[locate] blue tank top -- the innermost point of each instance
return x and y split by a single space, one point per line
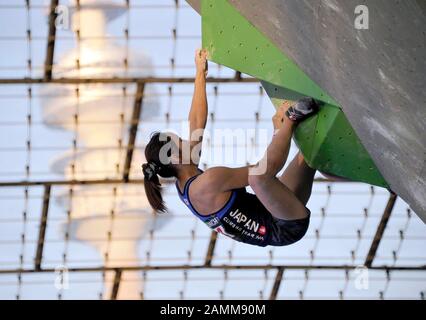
242 218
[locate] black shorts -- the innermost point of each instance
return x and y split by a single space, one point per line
249 221
285 232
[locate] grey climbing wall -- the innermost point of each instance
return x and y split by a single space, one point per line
196 4
377 75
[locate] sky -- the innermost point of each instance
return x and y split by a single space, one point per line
344 215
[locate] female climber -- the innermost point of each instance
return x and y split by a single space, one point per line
275 215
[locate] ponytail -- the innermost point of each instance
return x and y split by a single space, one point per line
153 190
154 168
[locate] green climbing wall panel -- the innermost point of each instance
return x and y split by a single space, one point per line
234 42
329 143
327 140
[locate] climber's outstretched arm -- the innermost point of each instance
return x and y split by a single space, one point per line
198 114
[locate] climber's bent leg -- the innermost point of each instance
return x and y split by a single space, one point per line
277 197
299 177
280 201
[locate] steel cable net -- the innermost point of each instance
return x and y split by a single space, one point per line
79 101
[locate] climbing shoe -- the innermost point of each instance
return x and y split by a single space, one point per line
302 109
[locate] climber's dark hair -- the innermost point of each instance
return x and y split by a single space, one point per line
158 163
